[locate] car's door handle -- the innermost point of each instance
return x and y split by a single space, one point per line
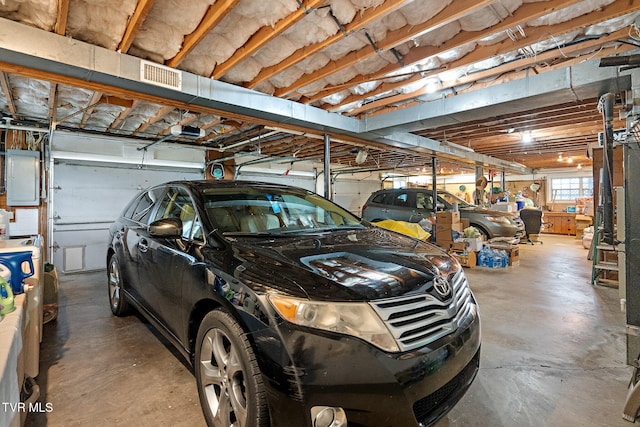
142 245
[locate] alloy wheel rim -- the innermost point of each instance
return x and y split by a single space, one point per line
114 284
223 379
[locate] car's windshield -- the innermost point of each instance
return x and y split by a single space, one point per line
451 199
273 211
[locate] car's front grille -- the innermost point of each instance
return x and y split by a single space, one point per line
417 320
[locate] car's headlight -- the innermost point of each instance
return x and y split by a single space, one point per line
356 319
498 219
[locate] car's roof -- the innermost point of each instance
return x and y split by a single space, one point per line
199 185
411 189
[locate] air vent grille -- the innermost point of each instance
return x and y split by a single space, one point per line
160 75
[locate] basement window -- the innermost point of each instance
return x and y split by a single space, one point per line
568 189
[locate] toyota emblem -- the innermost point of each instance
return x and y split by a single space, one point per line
441 286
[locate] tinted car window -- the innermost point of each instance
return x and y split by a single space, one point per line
380 198
143 209
250 210
401 199
177 203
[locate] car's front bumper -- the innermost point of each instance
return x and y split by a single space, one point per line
308 369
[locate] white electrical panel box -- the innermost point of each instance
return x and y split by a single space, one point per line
23 178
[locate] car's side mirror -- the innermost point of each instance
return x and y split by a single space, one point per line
167 228
440 207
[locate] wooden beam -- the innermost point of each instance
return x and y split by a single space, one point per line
123 115
159 115
6 88
61 18
139 15
263 36
216 12
116 100
559 52
89 108
53 101
419 54
451 13
502 79
357 24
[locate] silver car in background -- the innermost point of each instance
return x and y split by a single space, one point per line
414 204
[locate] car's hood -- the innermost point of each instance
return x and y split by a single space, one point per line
355 265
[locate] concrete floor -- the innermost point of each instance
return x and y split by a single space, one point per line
553 353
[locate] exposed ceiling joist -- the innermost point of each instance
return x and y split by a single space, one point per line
449 14
53 102
137 19
95 98
422 53
263 36
162 112
61 19
216 12
301 54
113 127
6 89
556 54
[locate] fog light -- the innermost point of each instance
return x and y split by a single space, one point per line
327 416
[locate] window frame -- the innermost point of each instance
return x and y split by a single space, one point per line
584 188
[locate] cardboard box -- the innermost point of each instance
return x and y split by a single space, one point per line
447 217
449 226
444 243
465 223
459 246
444 234
467 259
475 244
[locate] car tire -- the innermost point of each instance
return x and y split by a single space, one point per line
117 299
483 233
229 381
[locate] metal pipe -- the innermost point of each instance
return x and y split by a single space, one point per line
248 141
434 194
25 128
327 167
606 108
265 159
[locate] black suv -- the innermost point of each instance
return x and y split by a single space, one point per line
291 310
414 204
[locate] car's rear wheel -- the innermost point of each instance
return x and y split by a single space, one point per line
117 299
483 233
229 381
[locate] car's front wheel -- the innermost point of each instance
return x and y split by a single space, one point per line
229 381
117 299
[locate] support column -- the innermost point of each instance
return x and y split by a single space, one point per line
327 167
632 227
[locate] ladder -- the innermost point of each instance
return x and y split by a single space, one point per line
604 258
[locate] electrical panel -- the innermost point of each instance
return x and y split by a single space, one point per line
23 177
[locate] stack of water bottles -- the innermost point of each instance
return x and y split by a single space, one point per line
493 258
